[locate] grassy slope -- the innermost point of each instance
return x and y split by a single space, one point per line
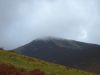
33 63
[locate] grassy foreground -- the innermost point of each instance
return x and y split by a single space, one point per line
29 64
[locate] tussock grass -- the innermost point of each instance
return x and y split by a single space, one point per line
29 64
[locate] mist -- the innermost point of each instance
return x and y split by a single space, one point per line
22 21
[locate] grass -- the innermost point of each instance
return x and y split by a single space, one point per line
29 63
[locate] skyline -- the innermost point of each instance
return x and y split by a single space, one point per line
22 21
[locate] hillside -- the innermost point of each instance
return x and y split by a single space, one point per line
65 52
29 64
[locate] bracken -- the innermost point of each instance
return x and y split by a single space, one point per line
8 69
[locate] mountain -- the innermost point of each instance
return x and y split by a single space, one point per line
15 64
65 52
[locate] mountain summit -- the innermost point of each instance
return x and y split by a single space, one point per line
66 52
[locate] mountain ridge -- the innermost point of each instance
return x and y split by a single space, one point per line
65 52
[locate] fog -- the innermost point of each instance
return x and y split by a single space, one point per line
22 21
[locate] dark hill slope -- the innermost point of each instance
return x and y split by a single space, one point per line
66 52
15 64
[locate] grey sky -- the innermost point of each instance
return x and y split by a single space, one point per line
22 21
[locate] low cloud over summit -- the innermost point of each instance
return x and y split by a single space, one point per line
22 21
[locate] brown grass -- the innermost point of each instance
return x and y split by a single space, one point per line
8 69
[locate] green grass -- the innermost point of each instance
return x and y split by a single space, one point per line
29 63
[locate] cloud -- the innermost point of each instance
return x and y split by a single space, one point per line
22 21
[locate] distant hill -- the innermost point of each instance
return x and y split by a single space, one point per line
66 52
15 64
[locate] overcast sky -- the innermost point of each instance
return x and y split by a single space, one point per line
22 21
